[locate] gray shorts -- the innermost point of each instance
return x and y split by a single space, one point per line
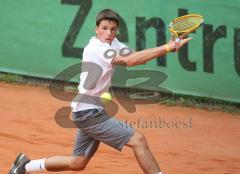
95 126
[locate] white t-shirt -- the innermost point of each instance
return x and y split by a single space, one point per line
96 74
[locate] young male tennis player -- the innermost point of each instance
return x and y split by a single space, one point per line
106 129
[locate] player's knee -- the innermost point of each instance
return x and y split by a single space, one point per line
78 163
77 166
138 140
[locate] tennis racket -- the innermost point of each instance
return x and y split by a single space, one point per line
184 25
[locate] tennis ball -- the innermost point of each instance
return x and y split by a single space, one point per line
106 97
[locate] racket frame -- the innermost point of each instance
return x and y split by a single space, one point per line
176 34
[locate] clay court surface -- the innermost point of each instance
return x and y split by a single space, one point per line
193 141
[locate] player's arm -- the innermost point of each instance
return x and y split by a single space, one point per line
142 57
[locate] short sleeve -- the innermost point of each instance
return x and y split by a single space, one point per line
107 54
100 54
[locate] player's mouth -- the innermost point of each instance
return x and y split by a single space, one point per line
108 40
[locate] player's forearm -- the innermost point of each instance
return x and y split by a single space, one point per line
141 57
146 55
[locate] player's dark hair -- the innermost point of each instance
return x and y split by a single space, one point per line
107 14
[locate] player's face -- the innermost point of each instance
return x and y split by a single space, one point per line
106 30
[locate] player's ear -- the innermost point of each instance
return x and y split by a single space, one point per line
96 29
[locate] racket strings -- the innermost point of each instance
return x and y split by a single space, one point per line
186 24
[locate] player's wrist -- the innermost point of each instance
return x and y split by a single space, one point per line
167 48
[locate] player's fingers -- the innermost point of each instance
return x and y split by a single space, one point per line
184 41
178 45
184 35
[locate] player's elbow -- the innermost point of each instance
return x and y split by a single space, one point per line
134 62
131 63
122 61
125 61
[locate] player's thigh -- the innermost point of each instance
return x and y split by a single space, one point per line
112 132
84 145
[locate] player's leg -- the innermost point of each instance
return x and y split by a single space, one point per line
23 164
118 134
65 163
59 163
143 154
84 149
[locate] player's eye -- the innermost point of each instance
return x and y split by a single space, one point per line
113 29
104 28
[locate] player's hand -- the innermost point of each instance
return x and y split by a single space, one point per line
176 44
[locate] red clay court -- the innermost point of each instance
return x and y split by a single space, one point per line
206 143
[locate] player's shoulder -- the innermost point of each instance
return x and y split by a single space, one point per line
95 48
95 44
116 44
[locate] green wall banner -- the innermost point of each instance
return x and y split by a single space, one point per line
42 38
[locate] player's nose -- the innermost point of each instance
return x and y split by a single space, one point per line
108 32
